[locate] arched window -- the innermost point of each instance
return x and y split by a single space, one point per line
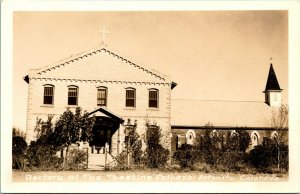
48 94
101 96
153 98
130 97
190 137
72 95
214 134
254 139
233 133
274 136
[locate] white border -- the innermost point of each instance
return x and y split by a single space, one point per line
7 8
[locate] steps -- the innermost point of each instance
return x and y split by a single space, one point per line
97 161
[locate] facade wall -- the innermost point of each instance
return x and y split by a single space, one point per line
87 100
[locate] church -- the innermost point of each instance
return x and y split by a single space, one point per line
115 89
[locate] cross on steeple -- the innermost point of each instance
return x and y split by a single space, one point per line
271 59
103 32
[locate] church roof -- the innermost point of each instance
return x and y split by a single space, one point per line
272 83
222 114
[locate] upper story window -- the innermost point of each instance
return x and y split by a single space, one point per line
101 96
48 94
130 97
72 95
153 98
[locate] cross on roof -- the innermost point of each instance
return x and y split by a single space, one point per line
103 32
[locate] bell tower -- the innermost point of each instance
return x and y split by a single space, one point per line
272 90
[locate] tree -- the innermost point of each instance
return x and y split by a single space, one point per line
133 142
244 140
279 123
19 147
156 154
71 127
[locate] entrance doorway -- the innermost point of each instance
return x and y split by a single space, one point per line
103 130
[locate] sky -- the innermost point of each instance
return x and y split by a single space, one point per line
211 55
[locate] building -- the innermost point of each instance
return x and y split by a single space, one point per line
107 85
115 89
191 118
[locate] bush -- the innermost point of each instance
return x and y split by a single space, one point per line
265 157
42 157
133 143
19 147
186 156
76 159
156 155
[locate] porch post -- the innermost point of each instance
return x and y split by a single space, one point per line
118 141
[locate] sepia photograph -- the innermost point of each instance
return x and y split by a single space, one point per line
150 96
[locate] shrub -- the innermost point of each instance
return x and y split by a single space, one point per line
42 157
69 128
75 160
186 156
265 156
19 147
133 142
156 154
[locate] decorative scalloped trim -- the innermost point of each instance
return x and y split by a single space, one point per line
95 52
100 81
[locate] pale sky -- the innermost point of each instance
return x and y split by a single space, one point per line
211 55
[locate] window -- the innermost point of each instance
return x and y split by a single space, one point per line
72 95
190 137
153 98
48 94
254 139
101 96
130 97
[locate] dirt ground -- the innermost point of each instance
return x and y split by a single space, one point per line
142 175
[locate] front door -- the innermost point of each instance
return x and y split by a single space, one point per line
103 130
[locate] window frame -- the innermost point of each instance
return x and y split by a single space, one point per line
103 88
134 98
157 98
77 92
48 86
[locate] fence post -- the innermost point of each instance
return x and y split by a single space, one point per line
87 157
105 151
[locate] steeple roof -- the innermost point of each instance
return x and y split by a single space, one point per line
272 83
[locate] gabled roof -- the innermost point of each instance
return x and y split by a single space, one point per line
221 113
89 57
272 83
108 113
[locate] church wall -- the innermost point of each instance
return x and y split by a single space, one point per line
222 132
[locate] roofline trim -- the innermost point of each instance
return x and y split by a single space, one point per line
95 51
100 81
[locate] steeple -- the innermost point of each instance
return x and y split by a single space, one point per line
272 83
272 90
